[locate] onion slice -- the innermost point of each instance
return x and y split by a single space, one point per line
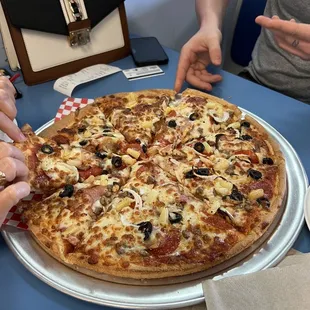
137 197
125 222
209 177
222 119
175 162
227 213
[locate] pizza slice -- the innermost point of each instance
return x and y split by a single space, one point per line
235 174
151 224
47 170
136 115
189 117
61 221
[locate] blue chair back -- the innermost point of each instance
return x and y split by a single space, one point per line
246 31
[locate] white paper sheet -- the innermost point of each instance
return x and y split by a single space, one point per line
66 84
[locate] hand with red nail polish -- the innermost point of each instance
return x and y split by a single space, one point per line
8 110
14 173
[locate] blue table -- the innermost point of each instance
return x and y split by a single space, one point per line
19 289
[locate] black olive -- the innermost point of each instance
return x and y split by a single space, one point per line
117 161
175 217
245 124
267 161
101 155
105 172
67 192
172 123
144 148
83 142
193 116
47 149
138 140
246 137
217 139
254 174
202 171
199 147
146 228
189 174
264 202
82 128
107 129
236 195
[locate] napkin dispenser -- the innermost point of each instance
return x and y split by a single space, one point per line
53 38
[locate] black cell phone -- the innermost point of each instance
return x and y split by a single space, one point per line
147 52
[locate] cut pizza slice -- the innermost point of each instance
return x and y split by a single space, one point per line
239 187
190 116
151 224
61 221
136 115
47 170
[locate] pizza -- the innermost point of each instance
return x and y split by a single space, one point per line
153 184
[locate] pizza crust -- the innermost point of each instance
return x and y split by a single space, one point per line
163 271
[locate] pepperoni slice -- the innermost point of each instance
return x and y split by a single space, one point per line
60 139
265 185
145 167
85 174
95 192
168 245
33 159
253 157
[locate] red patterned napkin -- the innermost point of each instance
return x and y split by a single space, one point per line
69 105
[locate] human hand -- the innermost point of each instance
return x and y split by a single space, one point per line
201 50
14 171
8 110
290 36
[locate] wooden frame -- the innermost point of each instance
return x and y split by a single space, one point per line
32 78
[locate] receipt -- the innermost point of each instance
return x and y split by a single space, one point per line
66 84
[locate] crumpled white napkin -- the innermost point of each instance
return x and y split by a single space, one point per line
284 287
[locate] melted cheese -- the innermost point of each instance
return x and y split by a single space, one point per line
58 170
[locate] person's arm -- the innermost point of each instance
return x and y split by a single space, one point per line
210 12
203 48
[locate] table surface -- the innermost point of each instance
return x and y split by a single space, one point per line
19 289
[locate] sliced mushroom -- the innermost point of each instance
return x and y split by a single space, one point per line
226 213
217 118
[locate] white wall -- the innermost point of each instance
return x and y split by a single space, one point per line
173 22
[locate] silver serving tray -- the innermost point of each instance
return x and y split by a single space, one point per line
168 294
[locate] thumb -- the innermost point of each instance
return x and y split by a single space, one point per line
215 51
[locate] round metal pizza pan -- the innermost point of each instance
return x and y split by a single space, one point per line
168 294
